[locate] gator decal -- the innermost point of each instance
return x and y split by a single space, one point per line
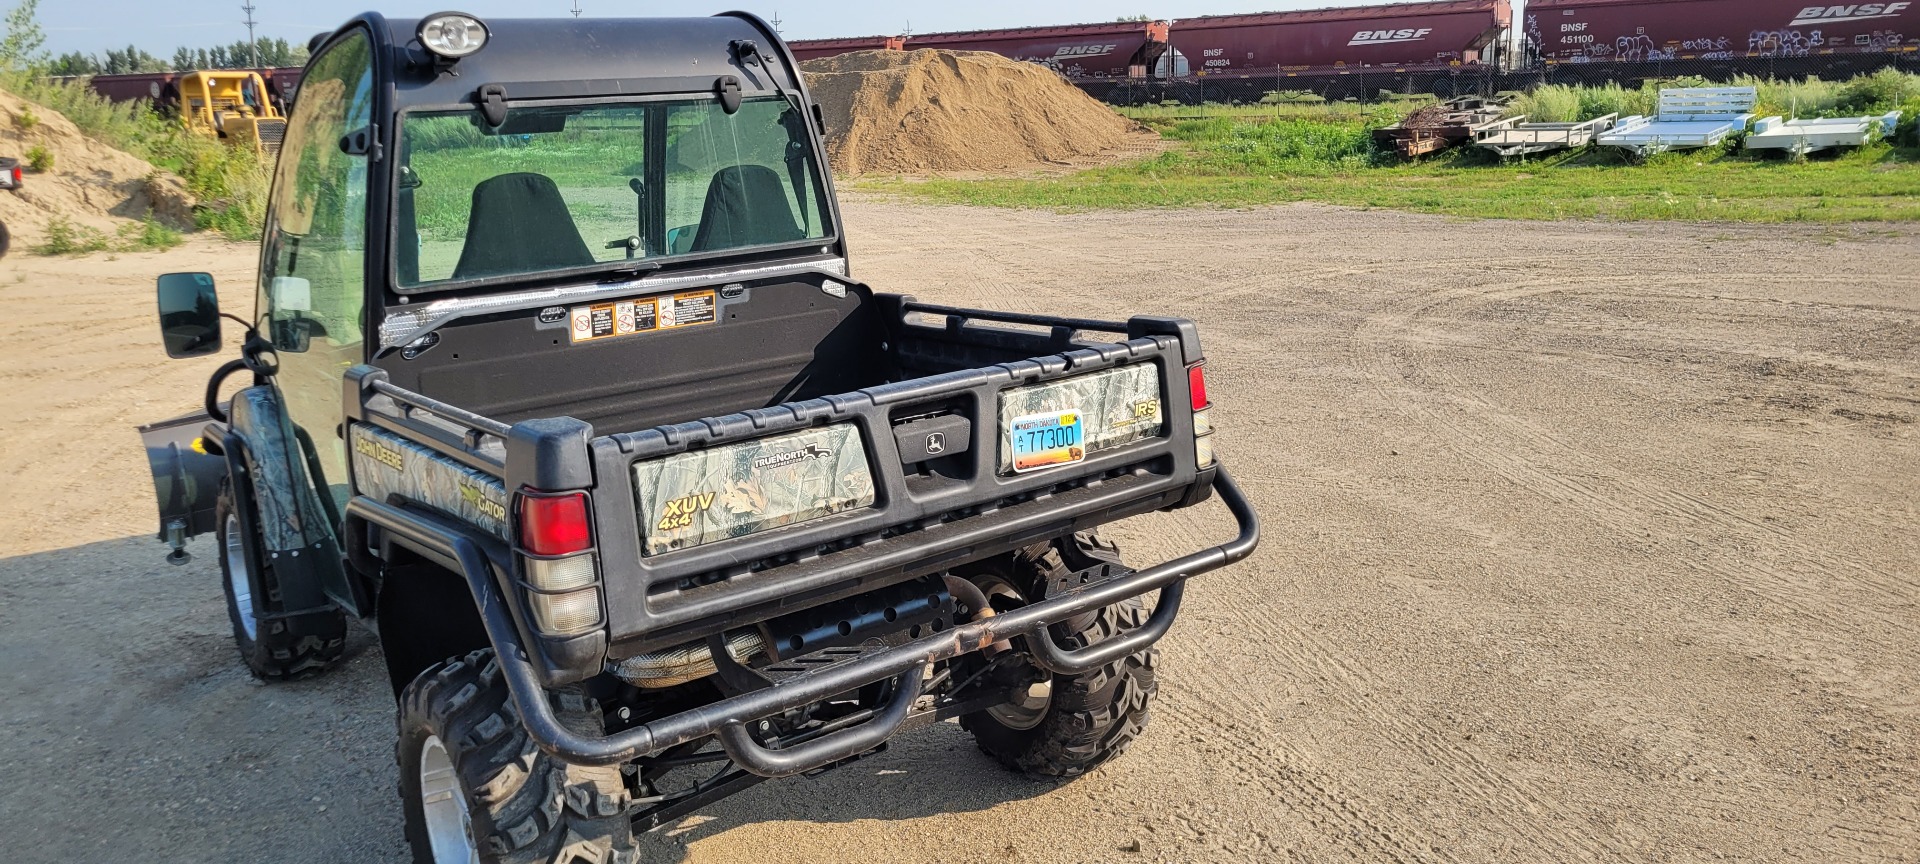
691 499
1117 407
385 464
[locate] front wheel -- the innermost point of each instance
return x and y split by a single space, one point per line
476 789
274 648
1066 725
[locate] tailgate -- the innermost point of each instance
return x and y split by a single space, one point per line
736 518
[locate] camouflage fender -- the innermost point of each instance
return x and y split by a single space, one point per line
291 519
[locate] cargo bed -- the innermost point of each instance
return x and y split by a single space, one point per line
857 416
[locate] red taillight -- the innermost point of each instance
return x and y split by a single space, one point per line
555 524
16 175
1197 386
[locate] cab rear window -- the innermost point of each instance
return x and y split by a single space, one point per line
567 187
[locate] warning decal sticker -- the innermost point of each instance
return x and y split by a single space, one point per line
628 317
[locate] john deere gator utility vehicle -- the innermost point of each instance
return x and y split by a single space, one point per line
561 381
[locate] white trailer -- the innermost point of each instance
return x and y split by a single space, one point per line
1514 137
1800 137
1689 118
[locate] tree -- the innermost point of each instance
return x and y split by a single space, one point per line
74 63
130 60
22 47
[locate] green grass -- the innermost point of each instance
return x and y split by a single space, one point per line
1877 184
1273 154
1167 117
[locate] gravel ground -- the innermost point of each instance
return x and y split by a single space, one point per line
1585 542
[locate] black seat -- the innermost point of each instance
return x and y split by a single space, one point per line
746 206
520 224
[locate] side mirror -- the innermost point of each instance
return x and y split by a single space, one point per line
189 315
294 335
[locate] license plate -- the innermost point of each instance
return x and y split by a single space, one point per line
1046 440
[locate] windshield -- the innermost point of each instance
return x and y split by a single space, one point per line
565 187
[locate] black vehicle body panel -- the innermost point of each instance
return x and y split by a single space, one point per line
186 479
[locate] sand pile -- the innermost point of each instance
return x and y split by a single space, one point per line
91 184
918 112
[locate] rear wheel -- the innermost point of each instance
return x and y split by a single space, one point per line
476 789
6 240
1065 725
274 648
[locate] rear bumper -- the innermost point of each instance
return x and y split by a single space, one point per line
905 664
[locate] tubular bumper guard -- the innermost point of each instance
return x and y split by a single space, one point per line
905 665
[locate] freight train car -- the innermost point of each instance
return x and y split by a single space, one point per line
1641 39
814 49
1335 51
1094 52
138 87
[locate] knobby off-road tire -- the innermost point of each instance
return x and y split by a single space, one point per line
6 240
1090 717
274 649
522 805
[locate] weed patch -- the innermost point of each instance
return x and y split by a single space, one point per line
66 238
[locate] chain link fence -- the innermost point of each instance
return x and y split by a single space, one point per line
1369 84
1832 67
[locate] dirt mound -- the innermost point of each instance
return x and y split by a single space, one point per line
916 112
90 184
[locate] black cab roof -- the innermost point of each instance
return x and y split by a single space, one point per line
549 58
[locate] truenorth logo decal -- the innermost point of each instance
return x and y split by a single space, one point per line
1388 37
1854 12
782 460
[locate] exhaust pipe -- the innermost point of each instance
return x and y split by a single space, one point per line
684 663
976 600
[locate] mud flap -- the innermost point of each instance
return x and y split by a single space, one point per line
297 527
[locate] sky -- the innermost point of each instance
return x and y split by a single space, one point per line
159 26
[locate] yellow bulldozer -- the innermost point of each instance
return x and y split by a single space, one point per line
233 106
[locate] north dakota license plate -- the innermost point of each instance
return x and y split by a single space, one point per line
1046 440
